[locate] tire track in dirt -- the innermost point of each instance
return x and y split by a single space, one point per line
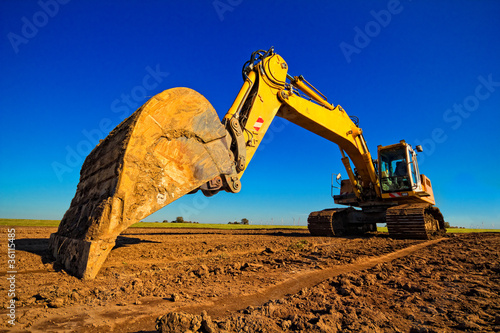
297 282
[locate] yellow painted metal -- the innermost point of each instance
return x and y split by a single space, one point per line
300 84
242 95
336 126
352 178
408 197
371 171
271 98
270 77
427 187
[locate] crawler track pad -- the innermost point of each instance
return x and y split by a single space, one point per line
170 146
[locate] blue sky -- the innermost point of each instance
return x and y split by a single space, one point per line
424 71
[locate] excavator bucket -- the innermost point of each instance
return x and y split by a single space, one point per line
169 147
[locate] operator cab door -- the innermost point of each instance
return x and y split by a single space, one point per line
414 172
398 169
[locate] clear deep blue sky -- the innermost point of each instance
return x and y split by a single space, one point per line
424 71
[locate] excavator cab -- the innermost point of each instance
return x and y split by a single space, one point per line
398 169
394 169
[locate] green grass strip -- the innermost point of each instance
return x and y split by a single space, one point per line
212 226
55 223
466 231
29 223
453 230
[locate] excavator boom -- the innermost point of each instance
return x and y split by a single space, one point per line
175 144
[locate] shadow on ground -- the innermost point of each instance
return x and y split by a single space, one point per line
40 246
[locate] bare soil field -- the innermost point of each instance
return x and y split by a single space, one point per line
206 280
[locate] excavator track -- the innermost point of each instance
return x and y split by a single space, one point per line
420 221
320 223
337 222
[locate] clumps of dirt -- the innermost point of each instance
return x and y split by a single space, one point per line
451 286
330 307
180 322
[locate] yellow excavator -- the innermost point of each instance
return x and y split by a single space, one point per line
175 144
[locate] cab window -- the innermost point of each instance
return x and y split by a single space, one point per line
394 175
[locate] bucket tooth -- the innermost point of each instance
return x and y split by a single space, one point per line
169 147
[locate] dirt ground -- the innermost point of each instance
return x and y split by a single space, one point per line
259 281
